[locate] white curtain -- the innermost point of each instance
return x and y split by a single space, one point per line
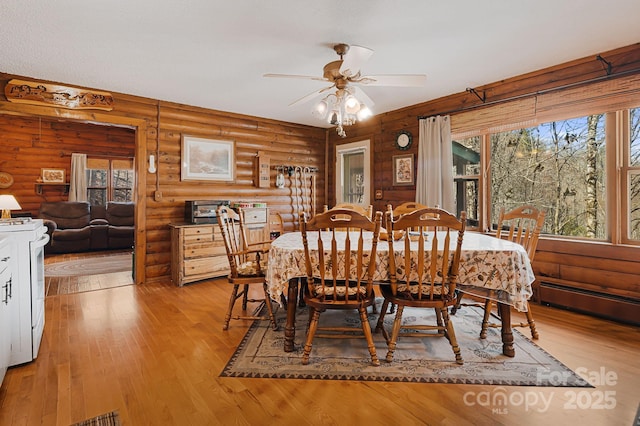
78 180
434 184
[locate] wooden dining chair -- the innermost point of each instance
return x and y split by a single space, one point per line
339 279
365 210
276 225
247 264
401 209
423 274
521 225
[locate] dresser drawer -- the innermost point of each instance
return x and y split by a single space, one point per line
198 238
205 265
204 250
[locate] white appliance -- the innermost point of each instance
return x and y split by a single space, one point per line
27 312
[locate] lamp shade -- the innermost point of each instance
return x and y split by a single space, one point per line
8 203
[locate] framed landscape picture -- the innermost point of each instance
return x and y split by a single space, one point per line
207 159
53 176
403 170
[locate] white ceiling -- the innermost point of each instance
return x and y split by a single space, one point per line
213 54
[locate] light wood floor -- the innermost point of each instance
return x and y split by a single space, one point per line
154 352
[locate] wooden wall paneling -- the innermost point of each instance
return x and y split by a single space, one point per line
618 280
278 141
159 126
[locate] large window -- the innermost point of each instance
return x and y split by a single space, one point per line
583 171
557 166
631 169
109 180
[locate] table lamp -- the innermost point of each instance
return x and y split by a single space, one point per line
8 203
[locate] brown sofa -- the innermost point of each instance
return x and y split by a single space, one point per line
76 226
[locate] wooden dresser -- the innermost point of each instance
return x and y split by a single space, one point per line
197 253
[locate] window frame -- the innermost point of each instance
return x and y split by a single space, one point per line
618 173
110 188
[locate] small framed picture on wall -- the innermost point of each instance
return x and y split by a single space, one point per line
403 170
207 159
53 176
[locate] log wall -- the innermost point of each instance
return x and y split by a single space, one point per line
32 143
158 126
609 274
44 136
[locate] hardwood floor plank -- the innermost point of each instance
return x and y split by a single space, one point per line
154 352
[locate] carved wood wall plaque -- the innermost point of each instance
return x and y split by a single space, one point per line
36 93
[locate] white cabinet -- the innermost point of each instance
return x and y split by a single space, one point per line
5 305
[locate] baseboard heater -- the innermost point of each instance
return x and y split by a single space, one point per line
607 306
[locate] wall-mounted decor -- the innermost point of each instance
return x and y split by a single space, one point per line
53 176
37 93
263 170
403 169
207 159
6 180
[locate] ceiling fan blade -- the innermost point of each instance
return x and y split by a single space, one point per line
307 98
398 80
360 94
353 60
306 77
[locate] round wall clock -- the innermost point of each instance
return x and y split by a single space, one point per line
403 140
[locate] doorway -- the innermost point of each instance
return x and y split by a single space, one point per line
353 173
139 128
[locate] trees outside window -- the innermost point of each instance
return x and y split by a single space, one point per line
632 166
561 167
109 180
557 166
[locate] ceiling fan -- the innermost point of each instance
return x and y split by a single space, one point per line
349 102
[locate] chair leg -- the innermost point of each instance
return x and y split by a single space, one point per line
366 329
267 302
391 344
485 320
383 311
455 307
532 323
439 319
232 301
451 336
313 326
245 297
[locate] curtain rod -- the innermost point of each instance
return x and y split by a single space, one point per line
539 92
102 156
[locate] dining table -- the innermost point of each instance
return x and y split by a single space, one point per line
489 268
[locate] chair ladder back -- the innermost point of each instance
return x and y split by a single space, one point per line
353 224
227 222
442 268
524 225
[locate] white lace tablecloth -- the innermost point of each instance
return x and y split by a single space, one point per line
489 267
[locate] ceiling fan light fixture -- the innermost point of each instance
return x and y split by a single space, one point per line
351 104
342 108
364 112
321 109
